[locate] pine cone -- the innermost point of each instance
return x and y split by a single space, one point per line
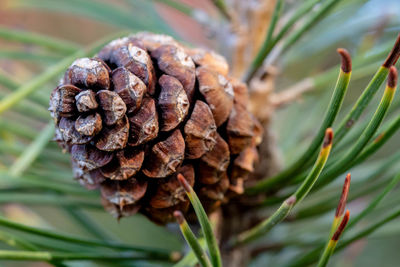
147 108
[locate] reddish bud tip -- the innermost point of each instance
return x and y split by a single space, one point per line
392 78
291 200
394 54
343 197
378 138
184 183
346 60
179 216
328 138
341 227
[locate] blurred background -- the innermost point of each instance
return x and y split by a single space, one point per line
366 28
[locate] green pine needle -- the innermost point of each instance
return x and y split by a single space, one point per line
29 155
41 40
156 253
192 240
204 223
330 115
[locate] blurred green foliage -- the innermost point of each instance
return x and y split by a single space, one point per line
39 39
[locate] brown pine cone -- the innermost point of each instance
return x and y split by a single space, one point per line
147 108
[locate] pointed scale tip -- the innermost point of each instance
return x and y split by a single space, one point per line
328 138
346 60
341 227
392 78
122 203
394 54
343 198
179 216
184 183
